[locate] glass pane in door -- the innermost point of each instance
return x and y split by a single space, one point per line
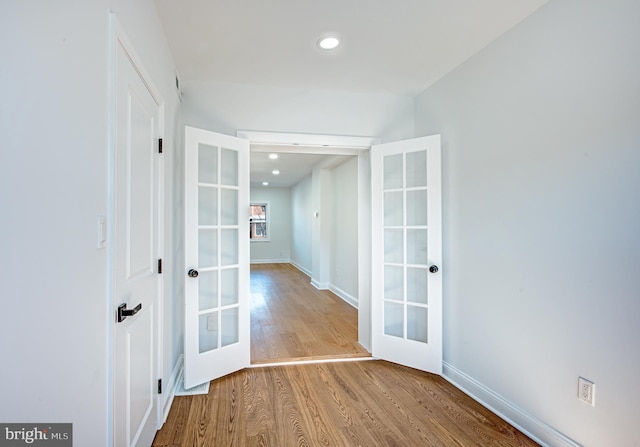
416 169
207 248
229 249
417 207
392 172
230 329
207 205
393 246
229 171
208 331
207 164
394 319
417 246
229 286
208 290
229 206
393 209
417 323
417 289
393 283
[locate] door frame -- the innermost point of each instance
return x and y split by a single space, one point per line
117 36
337 145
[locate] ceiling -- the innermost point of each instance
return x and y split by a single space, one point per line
397 47
293 167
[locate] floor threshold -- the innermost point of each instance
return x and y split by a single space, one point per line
288 362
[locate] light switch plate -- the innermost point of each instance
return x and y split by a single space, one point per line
101 241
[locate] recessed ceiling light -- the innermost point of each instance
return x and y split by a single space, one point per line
265 183
273 156
275 172
329 43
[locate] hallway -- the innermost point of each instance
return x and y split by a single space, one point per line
291 320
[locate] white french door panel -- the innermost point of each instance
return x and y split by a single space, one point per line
406 221
217 335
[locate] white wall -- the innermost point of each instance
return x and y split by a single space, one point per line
301 225
326 247
344 234
321 227
53 280
277 248
541 146
227 108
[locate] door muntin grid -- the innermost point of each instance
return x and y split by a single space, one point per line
405 233
218 248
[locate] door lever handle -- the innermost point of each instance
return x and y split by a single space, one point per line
123 312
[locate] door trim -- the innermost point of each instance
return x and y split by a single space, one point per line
326 144
117 36
336 145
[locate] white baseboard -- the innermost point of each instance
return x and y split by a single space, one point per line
349 299
531 426
301 268
319 285
171 386
270 261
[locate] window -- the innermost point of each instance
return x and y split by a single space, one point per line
258 222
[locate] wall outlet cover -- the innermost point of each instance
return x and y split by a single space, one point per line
586 391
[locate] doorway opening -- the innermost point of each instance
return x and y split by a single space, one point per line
310 291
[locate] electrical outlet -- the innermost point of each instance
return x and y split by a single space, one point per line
586 391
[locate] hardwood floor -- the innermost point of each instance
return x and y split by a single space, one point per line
364 403
357 403
292 320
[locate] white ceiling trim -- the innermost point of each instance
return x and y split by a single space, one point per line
312 143
307 150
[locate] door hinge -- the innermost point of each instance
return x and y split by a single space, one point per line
159 266
159 386
160 145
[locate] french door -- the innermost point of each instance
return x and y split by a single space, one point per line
407 253
216 255
406 299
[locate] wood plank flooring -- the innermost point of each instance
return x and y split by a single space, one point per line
292 320
365 403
